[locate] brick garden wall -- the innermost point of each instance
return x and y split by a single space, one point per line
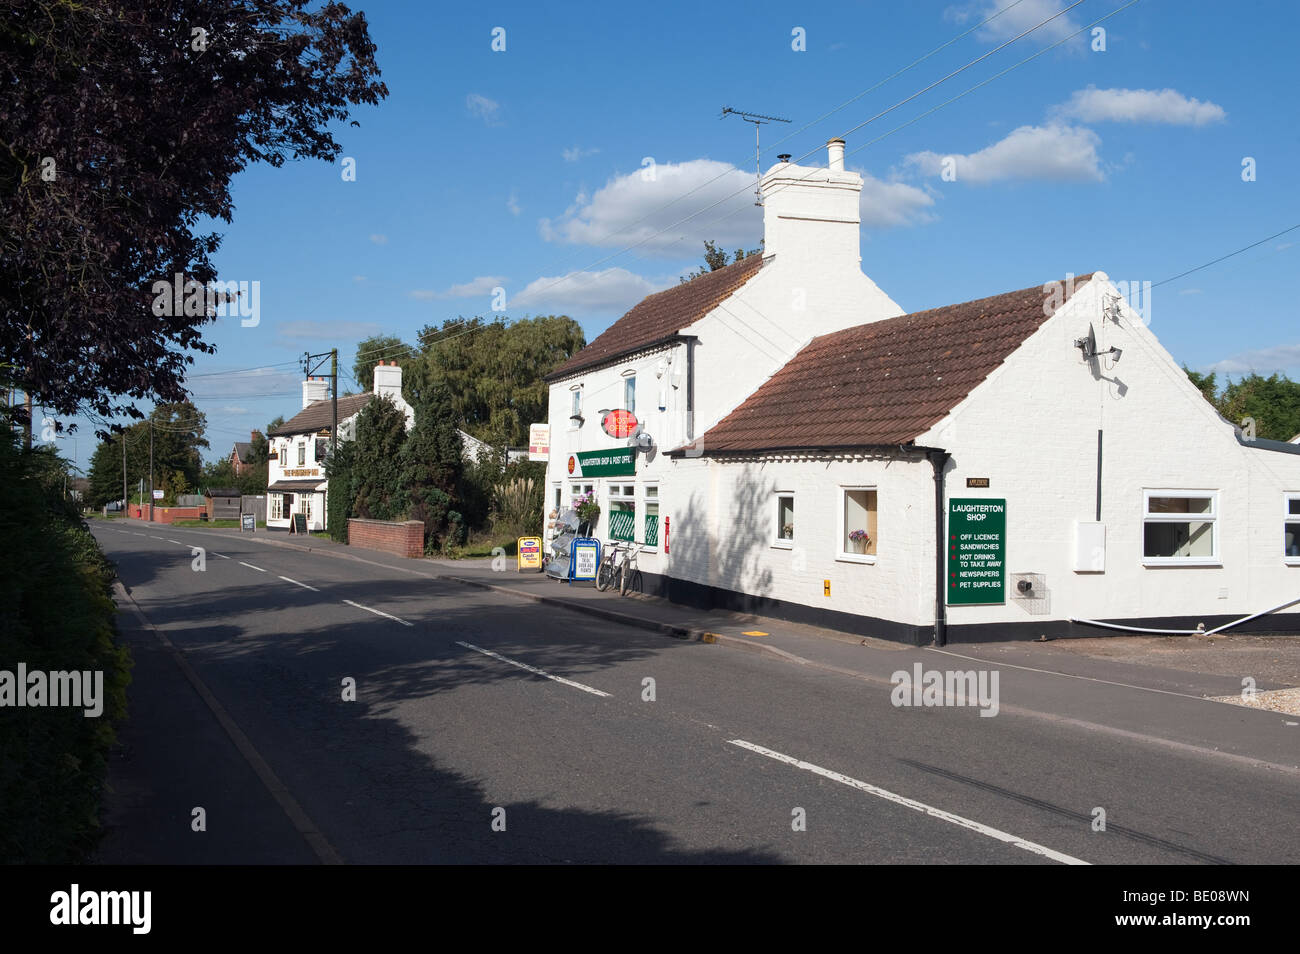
164 514
404 539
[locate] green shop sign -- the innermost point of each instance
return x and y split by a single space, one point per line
620 462
977 546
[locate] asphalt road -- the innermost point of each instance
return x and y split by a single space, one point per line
449 733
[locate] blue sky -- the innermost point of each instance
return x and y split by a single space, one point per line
522 169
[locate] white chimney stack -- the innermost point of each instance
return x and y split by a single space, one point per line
313 390
388 380
835 149
811 213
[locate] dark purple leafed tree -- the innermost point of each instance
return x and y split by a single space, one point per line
122 123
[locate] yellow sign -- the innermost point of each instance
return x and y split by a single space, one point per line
530 553
826 587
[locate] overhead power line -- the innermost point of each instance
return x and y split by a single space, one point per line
1224 258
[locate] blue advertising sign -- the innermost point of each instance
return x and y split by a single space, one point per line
584 558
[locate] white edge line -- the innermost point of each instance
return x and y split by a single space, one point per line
925 809
251 567
369 609
534 669
303 585
1070 675
222 555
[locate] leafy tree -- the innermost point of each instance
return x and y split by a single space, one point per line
431 466
340 503
494 371
1273 403
716 258
178 433
1205 383
381 432
373 350
124 122
59 615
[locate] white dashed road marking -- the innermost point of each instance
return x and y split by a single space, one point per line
533 669
251 567
378 612
303 585
913 804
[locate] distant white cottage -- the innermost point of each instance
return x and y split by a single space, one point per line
298 447
1030 463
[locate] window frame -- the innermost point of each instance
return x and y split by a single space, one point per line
1287 518
629 394
649 501
1212 517
575 407
616 493
779 542
302 453
847 556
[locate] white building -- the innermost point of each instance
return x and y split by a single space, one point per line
297 448
1030 463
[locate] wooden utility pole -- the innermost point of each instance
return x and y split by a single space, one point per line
124 497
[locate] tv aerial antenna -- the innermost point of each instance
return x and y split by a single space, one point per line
758 119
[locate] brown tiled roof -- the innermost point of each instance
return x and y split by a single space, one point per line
319 414
886 382
662 314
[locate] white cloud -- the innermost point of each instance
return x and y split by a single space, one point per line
483 108
576 153
1284 358
1191 291
1140 106
630 209
1017 20
482 285
378 238
332 328
232 409
512 203
1053 152
358 278
609 291
887 204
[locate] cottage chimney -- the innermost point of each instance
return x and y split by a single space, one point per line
812 213
388 380
835 153
313 390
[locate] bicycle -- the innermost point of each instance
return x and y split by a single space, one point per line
618 563
610 564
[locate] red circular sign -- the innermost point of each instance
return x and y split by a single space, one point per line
619 423
573 463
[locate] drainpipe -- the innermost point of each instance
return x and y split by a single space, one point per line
690 390
939 460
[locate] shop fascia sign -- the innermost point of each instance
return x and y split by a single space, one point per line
617 462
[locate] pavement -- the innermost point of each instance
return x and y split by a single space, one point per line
470 700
